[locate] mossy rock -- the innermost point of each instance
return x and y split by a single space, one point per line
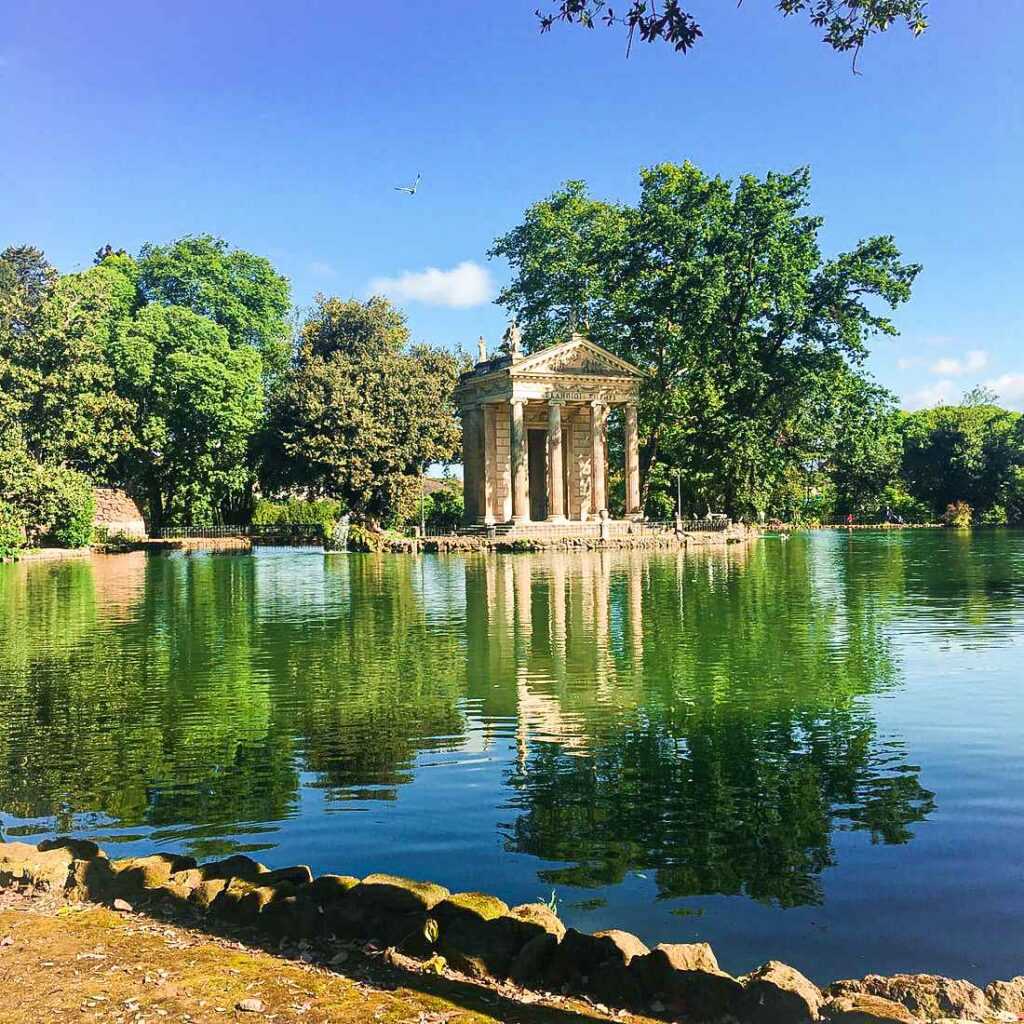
539 914
133 874
241 901
80 849
292 917
401 895
328 889
481 904
298 875
235 866
204 894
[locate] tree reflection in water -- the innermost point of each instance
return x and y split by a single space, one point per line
705 718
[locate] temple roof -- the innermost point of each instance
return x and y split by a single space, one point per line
577 357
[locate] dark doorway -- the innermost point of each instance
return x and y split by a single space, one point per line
537 447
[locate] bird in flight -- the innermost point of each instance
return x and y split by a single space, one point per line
411 189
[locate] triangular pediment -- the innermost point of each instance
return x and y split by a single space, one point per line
578 356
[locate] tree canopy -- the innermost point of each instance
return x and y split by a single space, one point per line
720 291
362 412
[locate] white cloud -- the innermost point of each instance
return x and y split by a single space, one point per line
909 362
942 392
467 284
1010 389
973 361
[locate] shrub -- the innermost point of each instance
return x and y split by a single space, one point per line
994 516
958 515
64 506
442 510
324 512
12 531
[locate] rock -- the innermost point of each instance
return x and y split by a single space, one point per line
477 903
706 995
122 906
531 962
92 880
292 917
779 994
298 875
1007 996
656 971
401 895
250 1006
235 866
241 902
80 849
327 889
133 874
204 894
24 864
925 995
862 1008
539 914
580 957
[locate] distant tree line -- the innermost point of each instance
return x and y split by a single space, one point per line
180 375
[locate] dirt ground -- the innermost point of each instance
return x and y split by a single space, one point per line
74 963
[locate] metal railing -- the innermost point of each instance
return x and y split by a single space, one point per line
274 531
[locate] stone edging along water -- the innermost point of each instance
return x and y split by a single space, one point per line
481 936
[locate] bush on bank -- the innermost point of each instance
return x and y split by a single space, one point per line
324 512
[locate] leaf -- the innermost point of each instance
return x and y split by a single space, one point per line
431 931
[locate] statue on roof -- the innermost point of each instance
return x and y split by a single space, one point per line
512 341
482 350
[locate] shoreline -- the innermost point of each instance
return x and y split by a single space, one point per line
524 953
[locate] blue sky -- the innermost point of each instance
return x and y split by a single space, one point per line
284 127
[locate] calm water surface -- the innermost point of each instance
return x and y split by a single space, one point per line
809 750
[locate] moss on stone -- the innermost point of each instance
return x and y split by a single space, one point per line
400 894
479 903
328 889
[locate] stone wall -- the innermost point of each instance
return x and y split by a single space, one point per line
117 513
481 936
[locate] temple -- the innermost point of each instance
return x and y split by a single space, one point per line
535 433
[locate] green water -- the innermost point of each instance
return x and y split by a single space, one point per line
808 750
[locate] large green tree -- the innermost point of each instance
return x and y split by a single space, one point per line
969 452
362 411
236 289
198 402
720 291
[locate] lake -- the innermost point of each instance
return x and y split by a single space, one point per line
809 750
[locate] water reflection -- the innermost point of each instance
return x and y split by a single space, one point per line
703 718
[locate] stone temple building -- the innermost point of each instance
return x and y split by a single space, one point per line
535 433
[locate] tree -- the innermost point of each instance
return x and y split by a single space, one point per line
848 24
719 290
199 403
241 292
361 412
71 412
957 453
865 447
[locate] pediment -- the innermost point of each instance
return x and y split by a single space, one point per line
577 357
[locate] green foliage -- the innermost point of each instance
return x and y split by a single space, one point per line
958 514
956 451
847 24
361 412
297 512
64 506
12 531
442 510
241 292
719 290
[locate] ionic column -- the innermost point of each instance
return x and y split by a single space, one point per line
632 463
472 464
490 464
520 464
598 455
556 482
